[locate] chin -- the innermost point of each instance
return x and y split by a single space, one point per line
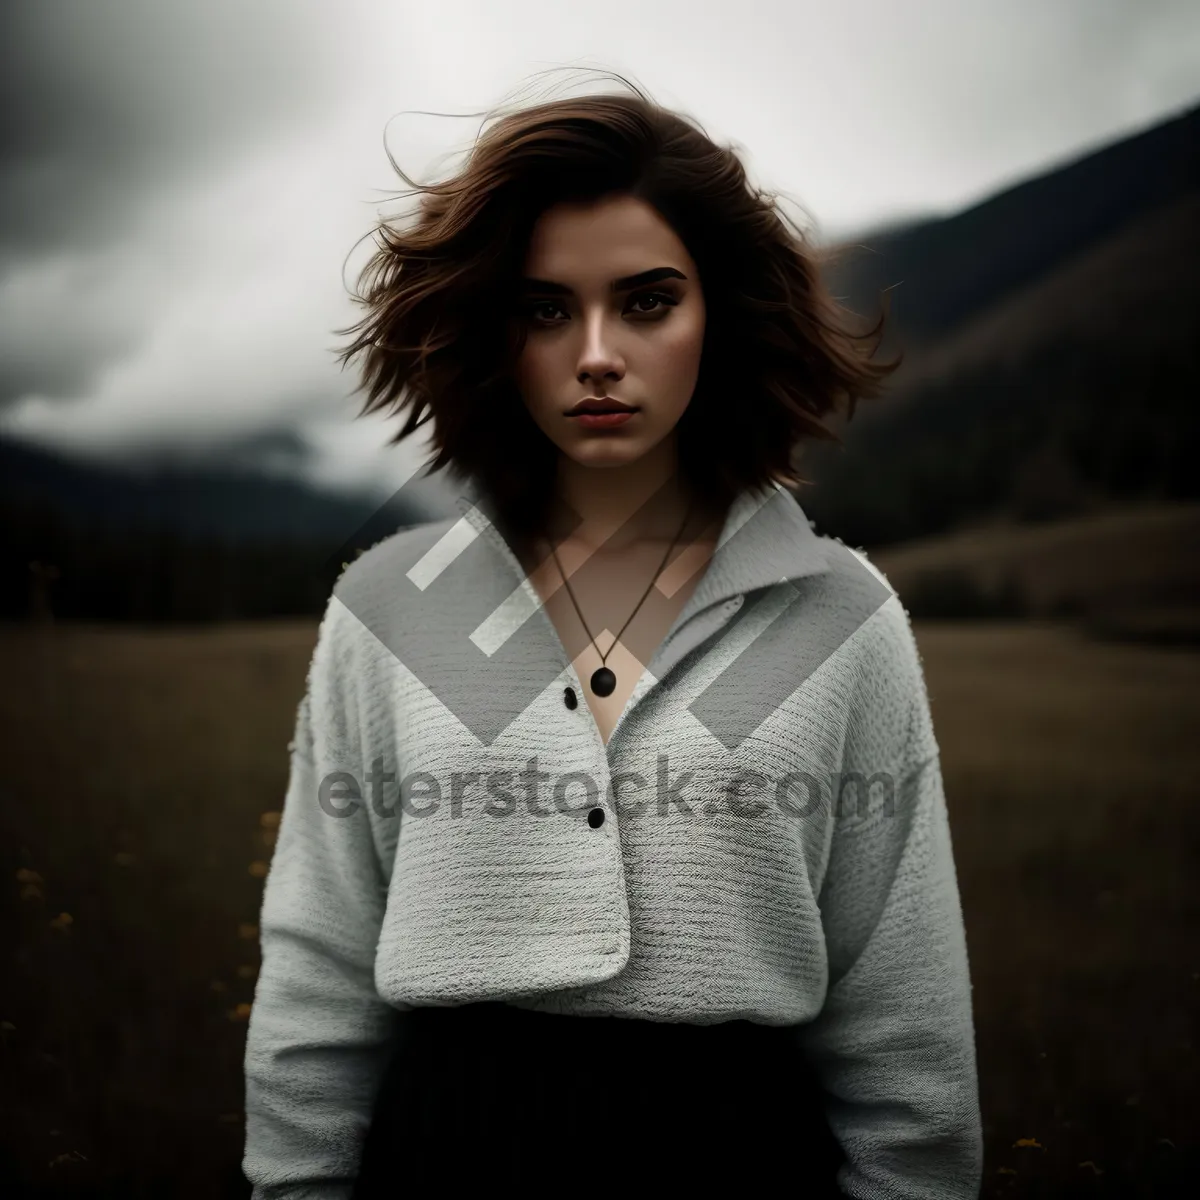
605 452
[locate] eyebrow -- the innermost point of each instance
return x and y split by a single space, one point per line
625 284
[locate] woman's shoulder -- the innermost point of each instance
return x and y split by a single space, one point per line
868 613
375 589
403 565
400 550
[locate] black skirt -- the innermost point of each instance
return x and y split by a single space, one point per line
492 1095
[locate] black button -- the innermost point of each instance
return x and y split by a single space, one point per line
569 698
596 818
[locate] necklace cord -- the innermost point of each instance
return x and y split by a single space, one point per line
653 581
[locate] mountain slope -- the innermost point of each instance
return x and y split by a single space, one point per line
1074 389
944 272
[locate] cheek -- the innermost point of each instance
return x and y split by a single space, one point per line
679 352
534 371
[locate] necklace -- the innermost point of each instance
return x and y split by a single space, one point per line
604 681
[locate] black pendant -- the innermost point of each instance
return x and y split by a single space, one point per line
604 682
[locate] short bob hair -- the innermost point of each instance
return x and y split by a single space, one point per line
442 333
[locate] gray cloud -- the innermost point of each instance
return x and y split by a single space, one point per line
103 102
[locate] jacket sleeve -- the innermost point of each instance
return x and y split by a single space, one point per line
319 1035
894 1044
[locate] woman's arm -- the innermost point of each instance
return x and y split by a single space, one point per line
895 1043
319 1036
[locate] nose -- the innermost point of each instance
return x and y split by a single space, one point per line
599 358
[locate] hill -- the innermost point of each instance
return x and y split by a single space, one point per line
1075 391
1130 573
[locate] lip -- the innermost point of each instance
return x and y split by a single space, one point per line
600 404
609 420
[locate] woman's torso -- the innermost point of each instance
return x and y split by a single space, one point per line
671 872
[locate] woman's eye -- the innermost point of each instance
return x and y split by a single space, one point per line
541 304
542 310
660 298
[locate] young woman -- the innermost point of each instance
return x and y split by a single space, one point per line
567 894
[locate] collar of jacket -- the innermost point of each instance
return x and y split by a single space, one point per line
767 539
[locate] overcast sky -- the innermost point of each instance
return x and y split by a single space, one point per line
183 180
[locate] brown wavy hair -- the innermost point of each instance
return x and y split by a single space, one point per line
441 334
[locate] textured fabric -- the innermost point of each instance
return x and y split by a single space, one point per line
492 1096
717 861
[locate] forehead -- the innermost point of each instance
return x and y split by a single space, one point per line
606 238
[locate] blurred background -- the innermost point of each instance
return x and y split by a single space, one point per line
183 191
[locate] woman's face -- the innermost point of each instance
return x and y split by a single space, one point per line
640 343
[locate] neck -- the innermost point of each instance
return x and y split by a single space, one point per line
612 509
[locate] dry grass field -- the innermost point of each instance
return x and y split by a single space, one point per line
1138 562
138 767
